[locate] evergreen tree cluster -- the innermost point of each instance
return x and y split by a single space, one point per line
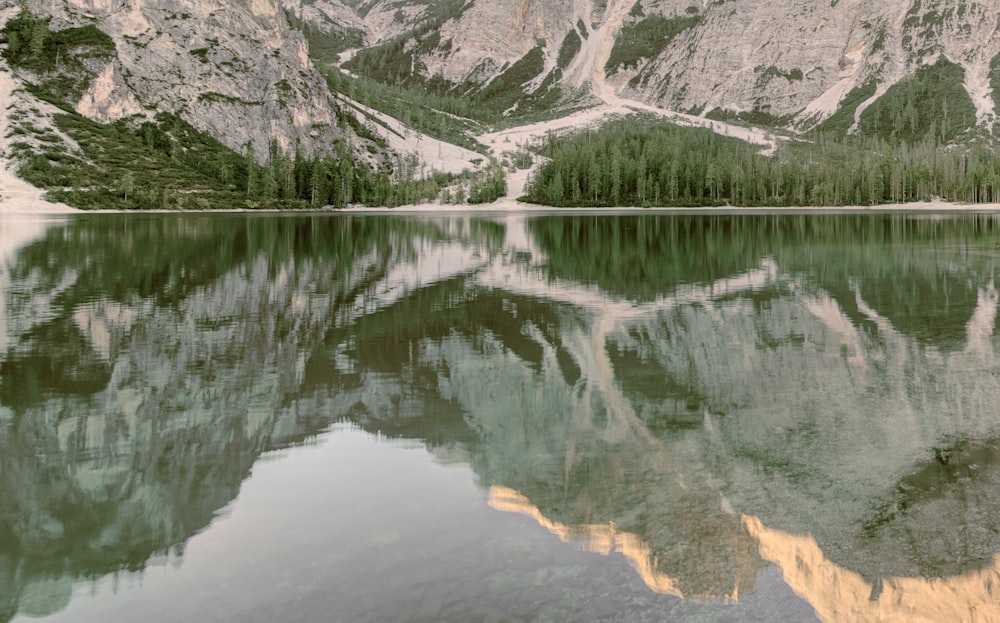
165 163
446 117
484 188
642 163
932 103
297 180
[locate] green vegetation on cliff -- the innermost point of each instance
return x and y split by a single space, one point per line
645 39
165 163
58 58
931 104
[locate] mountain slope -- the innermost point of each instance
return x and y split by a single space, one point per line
765 61
234 70
260 77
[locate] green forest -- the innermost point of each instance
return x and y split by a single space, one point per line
641 162
916 142
165 163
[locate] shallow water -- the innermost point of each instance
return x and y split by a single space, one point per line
500 417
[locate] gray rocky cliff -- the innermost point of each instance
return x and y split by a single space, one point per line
233 69
797 64
804 59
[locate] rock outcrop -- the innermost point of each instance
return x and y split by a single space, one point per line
236 70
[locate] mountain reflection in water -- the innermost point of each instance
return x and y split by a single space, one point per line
839 594
706 395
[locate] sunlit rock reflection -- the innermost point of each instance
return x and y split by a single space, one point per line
602 539
841 595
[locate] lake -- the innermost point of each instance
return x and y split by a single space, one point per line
499 417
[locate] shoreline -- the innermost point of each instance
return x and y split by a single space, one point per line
35 206
517 207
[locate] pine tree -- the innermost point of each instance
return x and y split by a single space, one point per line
615 175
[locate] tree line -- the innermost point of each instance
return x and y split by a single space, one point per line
638 162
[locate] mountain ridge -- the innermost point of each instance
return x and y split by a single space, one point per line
795 66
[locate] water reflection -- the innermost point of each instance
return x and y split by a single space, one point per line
600 539
688 391
839 594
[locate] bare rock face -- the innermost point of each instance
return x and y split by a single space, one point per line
795 62
802 59
490 36
746 56
233 69
239 71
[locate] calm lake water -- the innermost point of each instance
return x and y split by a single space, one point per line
499 418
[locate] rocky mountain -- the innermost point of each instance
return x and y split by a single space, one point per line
420 78
235 70
762 61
